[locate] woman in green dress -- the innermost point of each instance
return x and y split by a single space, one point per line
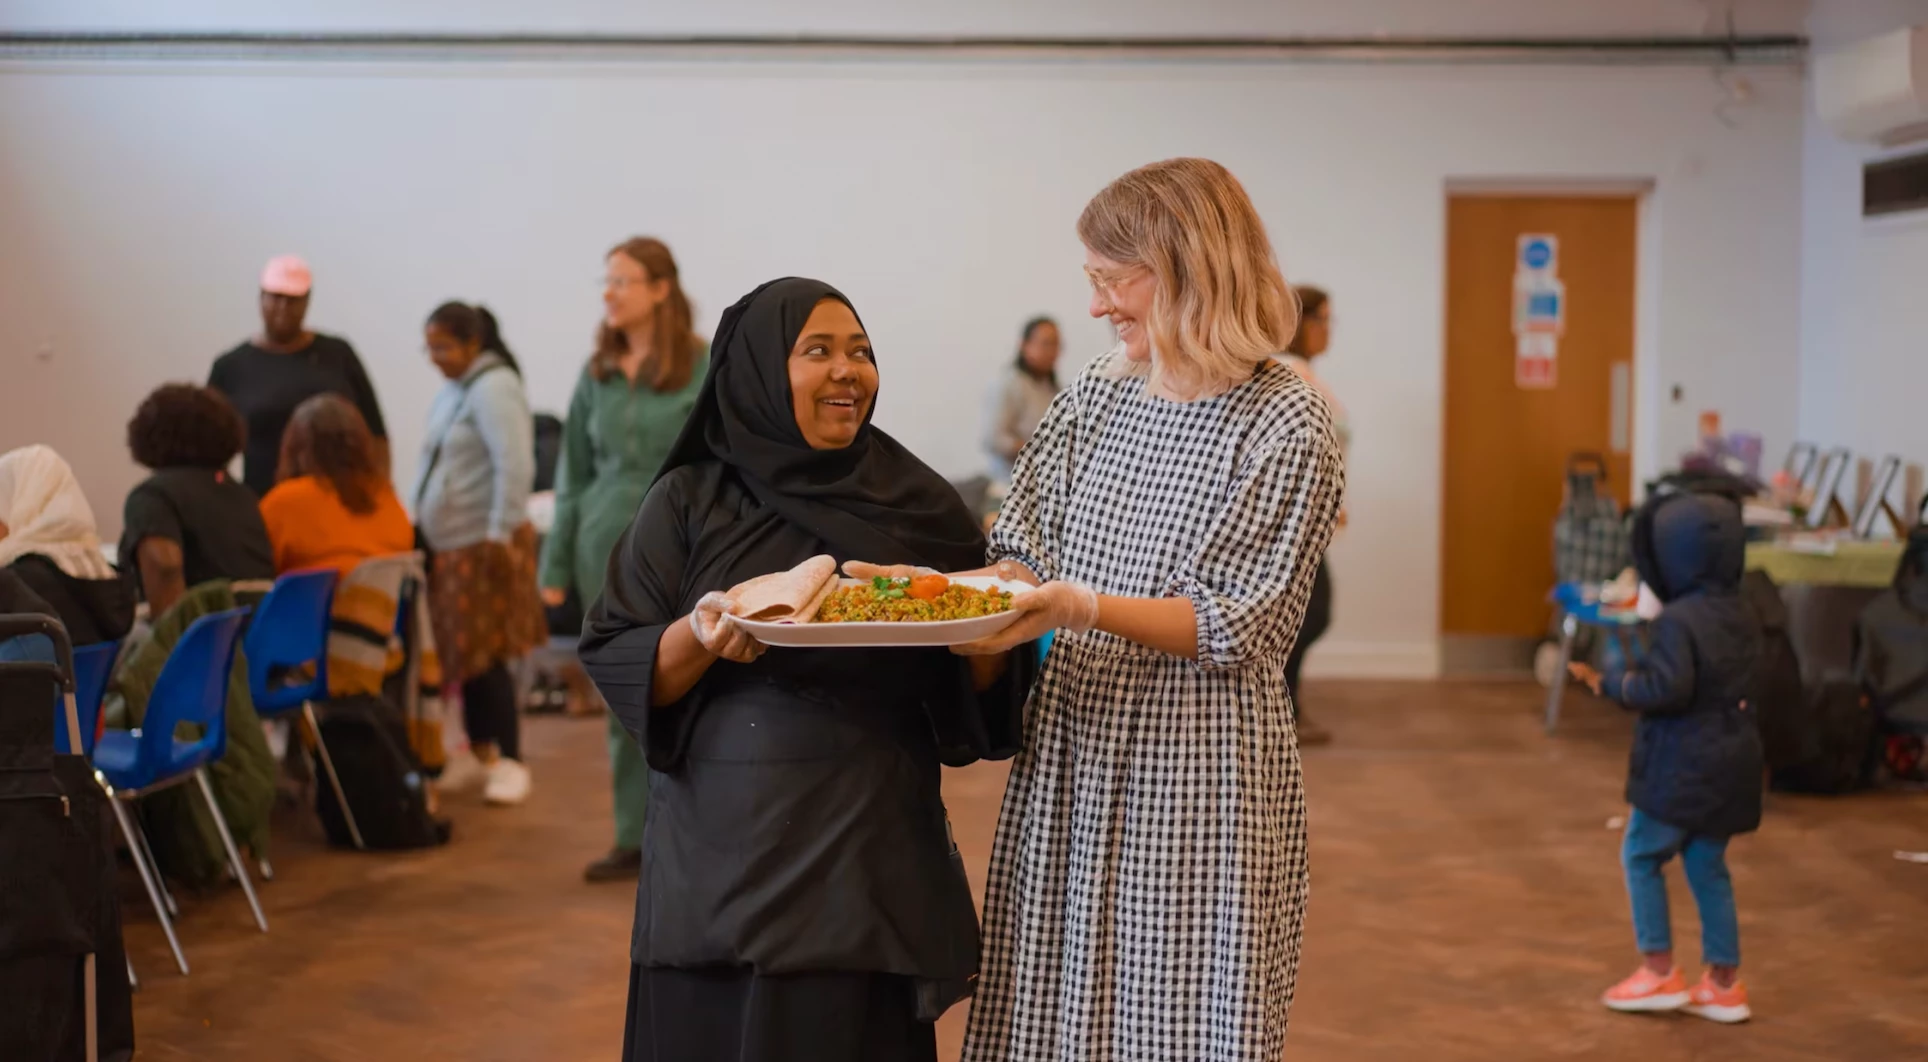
629 405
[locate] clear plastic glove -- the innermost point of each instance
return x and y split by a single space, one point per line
861 570
1009 571
1051 607
717 632
1014 572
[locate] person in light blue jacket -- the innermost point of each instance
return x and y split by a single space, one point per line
471 513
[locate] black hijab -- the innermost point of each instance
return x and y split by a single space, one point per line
872 500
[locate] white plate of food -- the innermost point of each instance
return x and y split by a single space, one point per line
810 607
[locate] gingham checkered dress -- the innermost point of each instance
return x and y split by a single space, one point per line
1149 876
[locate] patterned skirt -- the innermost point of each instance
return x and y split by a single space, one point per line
486 607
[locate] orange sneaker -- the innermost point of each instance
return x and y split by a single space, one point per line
1725 1005
1647 991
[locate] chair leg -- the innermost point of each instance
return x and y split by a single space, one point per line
227 841
147 879
133 980
146 852
90 1009
334 780
1569 629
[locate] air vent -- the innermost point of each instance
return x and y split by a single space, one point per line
1894 186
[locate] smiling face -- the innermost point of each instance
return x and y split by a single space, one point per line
833 380
1123 293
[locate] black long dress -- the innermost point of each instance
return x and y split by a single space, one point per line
799 887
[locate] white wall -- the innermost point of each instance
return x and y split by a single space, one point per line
1864 323
136 205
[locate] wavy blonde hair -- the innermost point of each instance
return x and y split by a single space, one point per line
1221 305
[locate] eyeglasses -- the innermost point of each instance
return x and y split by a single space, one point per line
1104 282
622 283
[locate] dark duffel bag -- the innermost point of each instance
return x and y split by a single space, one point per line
385 786
1842 728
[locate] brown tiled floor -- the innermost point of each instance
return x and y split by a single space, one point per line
1466 906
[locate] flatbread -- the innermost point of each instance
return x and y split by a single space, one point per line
787 597
808 613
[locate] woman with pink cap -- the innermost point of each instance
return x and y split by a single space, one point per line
286 365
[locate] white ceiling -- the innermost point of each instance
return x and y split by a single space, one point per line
1330 18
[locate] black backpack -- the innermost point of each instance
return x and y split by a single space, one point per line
1780 703
1891 643
385 786
1843 750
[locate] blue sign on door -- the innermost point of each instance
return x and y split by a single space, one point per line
1536 252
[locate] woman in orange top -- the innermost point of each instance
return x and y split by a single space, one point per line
333 506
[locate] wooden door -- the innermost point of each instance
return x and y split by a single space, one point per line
1509 429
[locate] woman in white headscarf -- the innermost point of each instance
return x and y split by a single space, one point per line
49 539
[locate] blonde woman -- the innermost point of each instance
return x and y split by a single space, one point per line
1148 881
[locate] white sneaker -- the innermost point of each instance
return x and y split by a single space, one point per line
462 773
508 782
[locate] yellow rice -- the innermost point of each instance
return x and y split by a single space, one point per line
860 604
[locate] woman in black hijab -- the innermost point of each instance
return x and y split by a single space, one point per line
800 898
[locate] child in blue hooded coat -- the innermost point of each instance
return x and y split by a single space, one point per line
1695 775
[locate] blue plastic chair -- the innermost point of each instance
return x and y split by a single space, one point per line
287 648
92 666
192 689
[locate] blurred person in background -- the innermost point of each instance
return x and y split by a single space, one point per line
189 522
472 512
334 506
1023 391
284 366
630 403
1308 345
49 540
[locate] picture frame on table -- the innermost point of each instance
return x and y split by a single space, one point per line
1826 508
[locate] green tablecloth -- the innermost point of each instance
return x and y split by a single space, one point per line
1869 565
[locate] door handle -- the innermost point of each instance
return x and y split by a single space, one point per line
1620 427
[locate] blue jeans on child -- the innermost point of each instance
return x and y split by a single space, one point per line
1649 844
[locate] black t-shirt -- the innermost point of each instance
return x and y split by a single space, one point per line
266 387
216 520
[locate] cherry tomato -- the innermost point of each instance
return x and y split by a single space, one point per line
929 587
